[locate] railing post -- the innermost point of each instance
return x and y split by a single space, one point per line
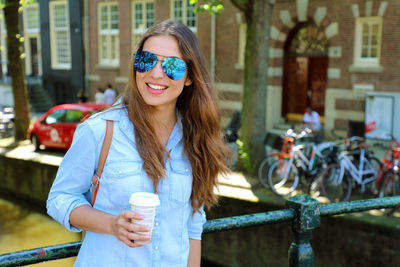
307 218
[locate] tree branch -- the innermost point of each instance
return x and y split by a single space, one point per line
240 6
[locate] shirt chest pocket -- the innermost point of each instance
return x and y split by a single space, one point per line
180 181
121 179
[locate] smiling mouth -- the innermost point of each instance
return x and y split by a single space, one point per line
156 87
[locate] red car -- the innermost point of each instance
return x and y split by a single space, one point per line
55 128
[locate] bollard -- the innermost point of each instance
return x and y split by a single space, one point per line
306 219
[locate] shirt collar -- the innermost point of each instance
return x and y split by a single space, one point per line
176 134
126 126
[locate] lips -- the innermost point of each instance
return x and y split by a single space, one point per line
156 89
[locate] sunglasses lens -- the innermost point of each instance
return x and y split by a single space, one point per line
174 68
144 61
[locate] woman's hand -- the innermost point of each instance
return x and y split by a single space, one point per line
132 234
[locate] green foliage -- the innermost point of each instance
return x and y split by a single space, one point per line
22 4
211 6
244 157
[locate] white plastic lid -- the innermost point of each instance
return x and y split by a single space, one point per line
144 199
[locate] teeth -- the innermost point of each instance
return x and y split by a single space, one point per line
157 87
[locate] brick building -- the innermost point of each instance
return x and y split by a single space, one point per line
326 54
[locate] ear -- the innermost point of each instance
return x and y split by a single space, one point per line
188 81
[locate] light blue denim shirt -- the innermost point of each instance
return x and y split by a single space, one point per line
122 175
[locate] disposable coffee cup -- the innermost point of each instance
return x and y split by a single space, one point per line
145 204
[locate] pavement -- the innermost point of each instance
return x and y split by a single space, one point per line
235 185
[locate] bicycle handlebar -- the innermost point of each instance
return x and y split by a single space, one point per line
292 133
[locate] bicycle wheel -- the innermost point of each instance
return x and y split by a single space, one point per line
283 178
315 178
314 189
333 187
389 187
375 162
376 165
263 169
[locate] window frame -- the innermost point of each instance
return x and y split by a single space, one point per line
107 60
54 56
138 33
28 34
184 14
358 45
25 16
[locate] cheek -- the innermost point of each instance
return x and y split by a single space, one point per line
179 85
139 77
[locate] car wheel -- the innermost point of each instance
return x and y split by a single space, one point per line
35 142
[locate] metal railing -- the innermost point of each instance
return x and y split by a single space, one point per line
302 210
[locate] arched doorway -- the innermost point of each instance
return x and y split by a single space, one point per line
305 71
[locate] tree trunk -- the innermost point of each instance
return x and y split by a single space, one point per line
16 70
258 16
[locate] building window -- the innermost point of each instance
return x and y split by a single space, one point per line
367 48
60 35
31 19
32 40
142 19
182 11
108 34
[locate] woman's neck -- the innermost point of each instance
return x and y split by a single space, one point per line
164 122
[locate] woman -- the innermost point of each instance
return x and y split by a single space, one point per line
167 140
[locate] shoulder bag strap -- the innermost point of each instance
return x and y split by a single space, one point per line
102 160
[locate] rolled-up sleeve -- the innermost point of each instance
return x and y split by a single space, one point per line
73 177
195 224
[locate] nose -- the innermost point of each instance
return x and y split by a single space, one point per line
157 72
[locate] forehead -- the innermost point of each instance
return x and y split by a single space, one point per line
165 45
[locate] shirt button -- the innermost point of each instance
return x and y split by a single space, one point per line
187 170
156 223
156 247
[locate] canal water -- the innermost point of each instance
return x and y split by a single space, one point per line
24 226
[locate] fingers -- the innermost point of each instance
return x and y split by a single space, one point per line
129 232
134 239
128 222
134 227
130 215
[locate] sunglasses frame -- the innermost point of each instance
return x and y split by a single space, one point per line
143 64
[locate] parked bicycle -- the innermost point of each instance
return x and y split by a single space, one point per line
286 168
388 182
356 166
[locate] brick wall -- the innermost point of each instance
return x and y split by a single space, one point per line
335 18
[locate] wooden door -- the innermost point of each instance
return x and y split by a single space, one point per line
318 80
295 93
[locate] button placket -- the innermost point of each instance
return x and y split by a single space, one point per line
156 238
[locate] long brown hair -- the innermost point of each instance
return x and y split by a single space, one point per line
197 105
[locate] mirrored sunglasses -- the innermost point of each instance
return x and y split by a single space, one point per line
174 68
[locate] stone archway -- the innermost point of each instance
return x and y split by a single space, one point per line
282 29
305 70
